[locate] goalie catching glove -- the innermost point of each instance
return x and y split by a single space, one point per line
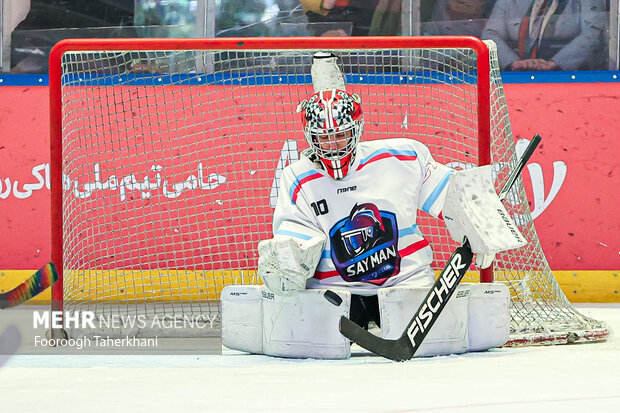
472 209
285 262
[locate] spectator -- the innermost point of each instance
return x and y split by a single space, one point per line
165 18
546 34
368 17
458 17
240 18
172 18
47 21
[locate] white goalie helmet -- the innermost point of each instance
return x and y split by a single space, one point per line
333 124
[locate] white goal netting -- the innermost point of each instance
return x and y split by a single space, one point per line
171 158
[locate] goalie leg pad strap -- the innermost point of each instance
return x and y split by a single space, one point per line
449 334
489 316
305 325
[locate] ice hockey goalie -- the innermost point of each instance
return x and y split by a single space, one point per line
346 243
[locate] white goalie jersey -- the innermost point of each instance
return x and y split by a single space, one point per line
369 217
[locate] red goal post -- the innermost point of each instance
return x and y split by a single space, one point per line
163 179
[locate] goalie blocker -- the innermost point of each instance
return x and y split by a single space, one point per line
257 321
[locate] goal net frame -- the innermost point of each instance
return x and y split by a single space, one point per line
489 100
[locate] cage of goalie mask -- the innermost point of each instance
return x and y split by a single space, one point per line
333 124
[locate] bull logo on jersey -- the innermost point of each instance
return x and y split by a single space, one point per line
365 245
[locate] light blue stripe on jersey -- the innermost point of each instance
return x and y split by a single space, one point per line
407 231
326 254
293 234
435 194
390 151
297 183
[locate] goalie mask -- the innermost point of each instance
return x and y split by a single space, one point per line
333 124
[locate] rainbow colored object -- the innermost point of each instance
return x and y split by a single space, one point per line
37 283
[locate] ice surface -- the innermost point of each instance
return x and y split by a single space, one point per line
571 378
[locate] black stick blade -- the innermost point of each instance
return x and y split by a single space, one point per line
397 350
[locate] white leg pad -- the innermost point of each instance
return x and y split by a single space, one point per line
489 316
242 318
449 335
305 325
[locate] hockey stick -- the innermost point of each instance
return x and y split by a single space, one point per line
405 347
37 283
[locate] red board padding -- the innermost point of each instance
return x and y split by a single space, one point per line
578 228
24 145
579 123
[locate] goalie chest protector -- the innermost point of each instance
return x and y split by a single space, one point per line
369 216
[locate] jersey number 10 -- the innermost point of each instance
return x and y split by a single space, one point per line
320 207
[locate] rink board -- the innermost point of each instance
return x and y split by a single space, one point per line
578 286
569 117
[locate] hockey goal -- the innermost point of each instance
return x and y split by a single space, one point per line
166 156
